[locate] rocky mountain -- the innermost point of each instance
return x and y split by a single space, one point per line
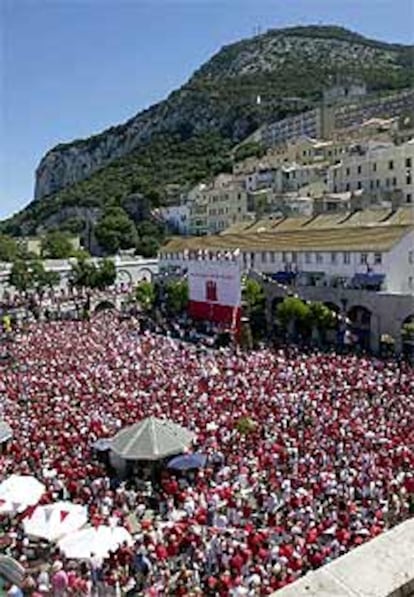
188 136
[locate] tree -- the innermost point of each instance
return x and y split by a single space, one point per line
145 294
321 319
9 249
247 150
105 275
57 245
177 296
85 274
147 247
255 304
115 231
82 273
293 315
407 330
20 276
321 316
31 275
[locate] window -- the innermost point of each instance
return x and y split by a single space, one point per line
359 185
408 162
363 258
284 257
411 257
347 186
378 182
319 258
348 171
359 169
272 257
308 257
408 179
391 165
333 257
264 257
411 283
371 184
346 257
409 198
377 258
374 167
394 182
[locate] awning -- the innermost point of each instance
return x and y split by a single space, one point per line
368 279
283 277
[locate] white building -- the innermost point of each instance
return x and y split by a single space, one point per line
177 218
380 170
305 124
293 176
322 251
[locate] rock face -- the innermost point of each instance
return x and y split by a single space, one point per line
221 95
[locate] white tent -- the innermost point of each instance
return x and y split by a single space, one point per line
90 541
54 521
18 492
151 439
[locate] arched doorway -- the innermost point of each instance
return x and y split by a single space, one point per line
104 306
124 277
144 274
360 326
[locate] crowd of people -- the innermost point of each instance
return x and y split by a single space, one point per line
325 465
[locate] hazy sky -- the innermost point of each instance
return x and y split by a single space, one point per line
70 68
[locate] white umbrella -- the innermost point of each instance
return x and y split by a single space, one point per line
18 492
55 520
94 541
6 432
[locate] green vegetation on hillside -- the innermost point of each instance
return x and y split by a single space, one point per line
166 161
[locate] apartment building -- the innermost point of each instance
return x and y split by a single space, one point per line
332 117
217 206
306 124
379 169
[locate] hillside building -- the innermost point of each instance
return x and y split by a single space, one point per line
382 170
338 115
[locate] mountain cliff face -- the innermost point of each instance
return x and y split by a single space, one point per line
221 95
188 137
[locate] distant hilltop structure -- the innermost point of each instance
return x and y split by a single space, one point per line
343 106
342 92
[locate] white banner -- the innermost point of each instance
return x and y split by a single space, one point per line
216 282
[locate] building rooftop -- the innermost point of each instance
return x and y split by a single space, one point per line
336 238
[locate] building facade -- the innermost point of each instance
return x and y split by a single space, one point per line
379 170
305 124
360 264
177 218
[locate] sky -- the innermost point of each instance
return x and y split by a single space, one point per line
71 68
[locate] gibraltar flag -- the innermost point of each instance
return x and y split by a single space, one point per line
215 290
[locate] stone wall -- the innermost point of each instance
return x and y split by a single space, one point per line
383 567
